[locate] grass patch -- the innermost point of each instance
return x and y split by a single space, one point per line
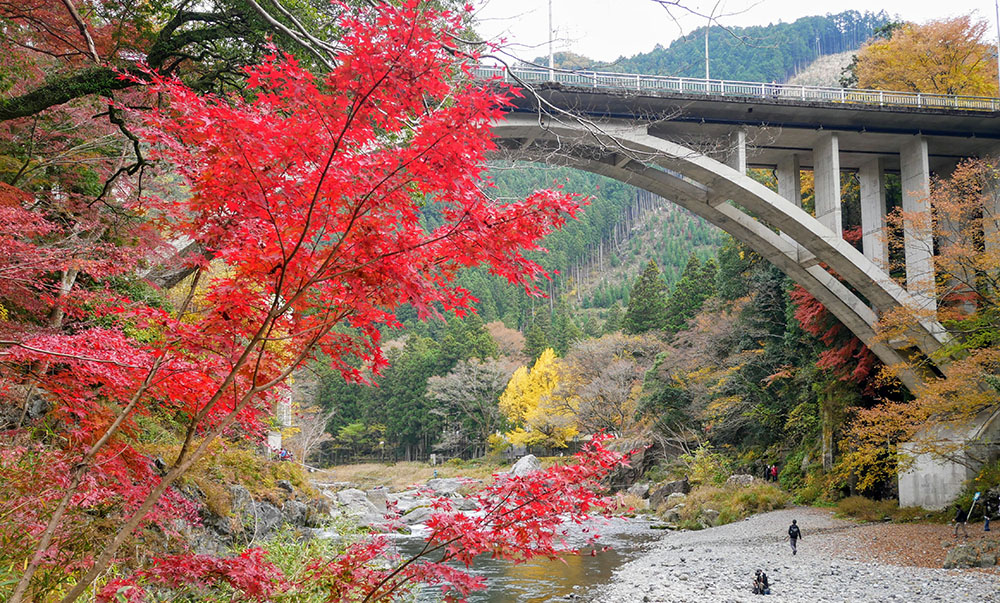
732 502
226 464
866 509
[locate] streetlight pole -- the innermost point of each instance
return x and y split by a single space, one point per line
996 5
552 62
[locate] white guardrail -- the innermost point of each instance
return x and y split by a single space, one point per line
687 85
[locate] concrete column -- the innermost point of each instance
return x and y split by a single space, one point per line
918 235
736 155
873 241
826 171
789 179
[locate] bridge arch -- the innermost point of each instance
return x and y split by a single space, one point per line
626 151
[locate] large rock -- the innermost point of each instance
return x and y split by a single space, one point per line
357 506
639 490
740 480
266 519
528 463
660 494
295 513
982 554
708 518
675 499
407 501
673 514
380 498
445 486
418 515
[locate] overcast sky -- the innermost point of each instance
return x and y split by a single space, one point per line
608 29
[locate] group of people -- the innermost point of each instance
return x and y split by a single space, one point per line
990 505
760 584
771 473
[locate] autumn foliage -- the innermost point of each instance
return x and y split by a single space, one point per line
306 197
948 56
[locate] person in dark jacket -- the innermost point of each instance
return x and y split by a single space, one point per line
794 534
961 518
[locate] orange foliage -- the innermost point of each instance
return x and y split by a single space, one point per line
949 56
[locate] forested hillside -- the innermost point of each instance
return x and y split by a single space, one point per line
757 54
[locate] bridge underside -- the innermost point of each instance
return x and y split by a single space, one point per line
772 225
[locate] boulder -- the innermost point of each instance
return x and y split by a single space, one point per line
380 498
660 494
286 485
240 500
708 517
466 504
675 499
357 506
673 514
639 490
741 480
528 463
982 554
407 501
295 513
418 515
445 486
265 519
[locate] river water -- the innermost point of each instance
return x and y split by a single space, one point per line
542 580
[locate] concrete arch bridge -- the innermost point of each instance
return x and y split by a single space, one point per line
692 142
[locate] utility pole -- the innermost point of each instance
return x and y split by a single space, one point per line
996 5
552 62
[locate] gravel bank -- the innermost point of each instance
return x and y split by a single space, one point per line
837 561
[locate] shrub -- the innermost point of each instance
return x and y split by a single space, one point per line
706 467
732 502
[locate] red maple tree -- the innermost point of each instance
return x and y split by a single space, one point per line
308 196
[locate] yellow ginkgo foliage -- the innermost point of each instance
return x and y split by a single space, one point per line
529 405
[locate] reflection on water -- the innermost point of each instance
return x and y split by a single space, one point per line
543 580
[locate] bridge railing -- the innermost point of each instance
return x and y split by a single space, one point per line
685 85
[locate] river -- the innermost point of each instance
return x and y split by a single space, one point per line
543 580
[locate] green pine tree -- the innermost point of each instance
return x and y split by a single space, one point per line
647 303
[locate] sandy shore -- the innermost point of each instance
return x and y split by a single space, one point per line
837 561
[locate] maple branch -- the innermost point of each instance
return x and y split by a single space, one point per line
304 43
83 29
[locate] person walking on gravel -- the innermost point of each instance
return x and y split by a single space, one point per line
961 518
794 534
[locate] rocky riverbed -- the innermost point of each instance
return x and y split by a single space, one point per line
837 561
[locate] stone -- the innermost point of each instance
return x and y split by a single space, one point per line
675 499
740 480
240 499
962 556
418 515
466 504
265 519
359 508
660 494
286 485
673 514
528 463
295 513
380 498
639 490
406 501
445 486
708 517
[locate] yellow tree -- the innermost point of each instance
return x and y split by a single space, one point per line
948 56
530 406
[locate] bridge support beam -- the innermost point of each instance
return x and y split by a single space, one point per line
789 176
873 241
826 172
736 155
918 236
